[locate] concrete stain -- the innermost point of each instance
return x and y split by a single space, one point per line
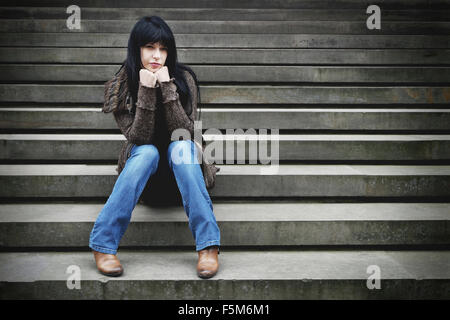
446 94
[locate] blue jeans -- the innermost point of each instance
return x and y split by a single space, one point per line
143 162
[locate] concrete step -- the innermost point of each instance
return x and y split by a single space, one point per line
58 225
220 27
242 275
282 4
111 40
335 147
243 94
269 181
232 118
229 73
237 56
228 14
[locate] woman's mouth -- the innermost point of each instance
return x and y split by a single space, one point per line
155 65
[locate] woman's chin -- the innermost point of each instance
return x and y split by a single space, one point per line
149 68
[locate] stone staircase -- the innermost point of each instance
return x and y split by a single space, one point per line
364 176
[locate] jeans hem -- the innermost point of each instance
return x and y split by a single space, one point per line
102 249
207 244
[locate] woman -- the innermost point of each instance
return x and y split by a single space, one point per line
166 95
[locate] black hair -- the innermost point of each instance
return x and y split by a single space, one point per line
152 30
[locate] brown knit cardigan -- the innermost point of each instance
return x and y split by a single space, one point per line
157 114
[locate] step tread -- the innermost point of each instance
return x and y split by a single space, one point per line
232 4
250 211
238 110
230 65
243 56
259 170
242 94
229 136
234 265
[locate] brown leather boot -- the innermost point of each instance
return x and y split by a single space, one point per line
108 264
208 262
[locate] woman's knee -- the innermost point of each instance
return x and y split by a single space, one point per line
148 153
180 151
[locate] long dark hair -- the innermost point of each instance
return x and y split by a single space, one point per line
155 29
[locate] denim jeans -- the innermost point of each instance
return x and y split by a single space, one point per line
143 162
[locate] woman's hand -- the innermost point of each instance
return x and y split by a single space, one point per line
147 78
162 75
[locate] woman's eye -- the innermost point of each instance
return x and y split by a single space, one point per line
149 46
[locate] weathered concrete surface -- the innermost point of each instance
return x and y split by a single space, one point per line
242 181
220 27
242 275
226 14
242 94
338 41
246 118
237 55
241 224
230 73
237 146
266 4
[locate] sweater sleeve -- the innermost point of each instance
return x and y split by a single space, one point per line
139 128
174 112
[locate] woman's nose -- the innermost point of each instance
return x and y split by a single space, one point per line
157 54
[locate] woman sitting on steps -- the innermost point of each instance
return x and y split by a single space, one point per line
166 95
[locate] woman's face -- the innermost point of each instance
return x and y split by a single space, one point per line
153 56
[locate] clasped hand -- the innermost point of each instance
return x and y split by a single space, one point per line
148 78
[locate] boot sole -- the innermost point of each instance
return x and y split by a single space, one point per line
206 276
117 274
